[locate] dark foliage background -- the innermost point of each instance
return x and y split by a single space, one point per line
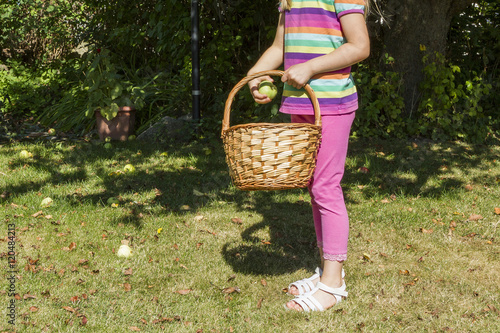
49 49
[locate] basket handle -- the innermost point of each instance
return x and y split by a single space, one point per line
245 80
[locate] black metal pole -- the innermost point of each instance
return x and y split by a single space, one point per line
195 54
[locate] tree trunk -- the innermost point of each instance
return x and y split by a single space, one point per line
410 24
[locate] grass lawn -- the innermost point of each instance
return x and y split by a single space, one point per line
424 252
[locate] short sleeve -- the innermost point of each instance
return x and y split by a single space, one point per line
343 7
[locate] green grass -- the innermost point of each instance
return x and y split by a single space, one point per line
420 257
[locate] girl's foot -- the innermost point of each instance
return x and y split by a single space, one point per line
304 286
321 299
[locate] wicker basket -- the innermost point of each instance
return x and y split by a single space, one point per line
267 156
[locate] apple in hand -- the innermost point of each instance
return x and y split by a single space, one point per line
268 88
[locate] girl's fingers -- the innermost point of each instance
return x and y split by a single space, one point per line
254 89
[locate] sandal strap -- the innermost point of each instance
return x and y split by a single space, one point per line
333 291
309 303
306 285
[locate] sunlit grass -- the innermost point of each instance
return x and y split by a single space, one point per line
423 250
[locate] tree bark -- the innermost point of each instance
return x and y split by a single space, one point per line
410 24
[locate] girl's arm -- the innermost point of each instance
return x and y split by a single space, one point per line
356 49
271 59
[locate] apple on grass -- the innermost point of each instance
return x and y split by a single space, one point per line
25 154
267 88
113 201
124 251
129 168
46 202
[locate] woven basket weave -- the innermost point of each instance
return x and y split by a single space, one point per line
267 156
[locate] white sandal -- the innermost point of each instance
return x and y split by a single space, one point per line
305 286
308 303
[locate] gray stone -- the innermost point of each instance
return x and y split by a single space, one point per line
169 130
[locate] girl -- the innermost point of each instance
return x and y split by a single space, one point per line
319 40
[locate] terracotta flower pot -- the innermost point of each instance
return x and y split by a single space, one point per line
118 128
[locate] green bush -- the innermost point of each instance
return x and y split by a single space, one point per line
24 91
380 102
150 44
450 105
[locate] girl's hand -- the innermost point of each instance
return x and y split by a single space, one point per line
298 75
254 89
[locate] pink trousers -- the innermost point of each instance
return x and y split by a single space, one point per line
329 212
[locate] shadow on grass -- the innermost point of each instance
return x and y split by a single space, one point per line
396 168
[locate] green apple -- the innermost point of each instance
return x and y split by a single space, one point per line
124 251
113 200
129 168
25 154
108 145
131 138
107 139
51 131
46 202
268 88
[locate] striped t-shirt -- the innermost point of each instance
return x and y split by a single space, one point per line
312 29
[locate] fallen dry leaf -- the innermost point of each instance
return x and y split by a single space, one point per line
28 296
259 303
37 214
134 328
231 290
497 210
475 217
128 271
184 291
236 220
127 287
263 282
69 308
426 231
72 246
33 309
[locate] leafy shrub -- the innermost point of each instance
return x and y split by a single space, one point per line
450 109
380 102
23 91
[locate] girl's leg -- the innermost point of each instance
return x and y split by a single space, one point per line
329 212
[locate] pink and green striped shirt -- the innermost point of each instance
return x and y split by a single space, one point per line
312 29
